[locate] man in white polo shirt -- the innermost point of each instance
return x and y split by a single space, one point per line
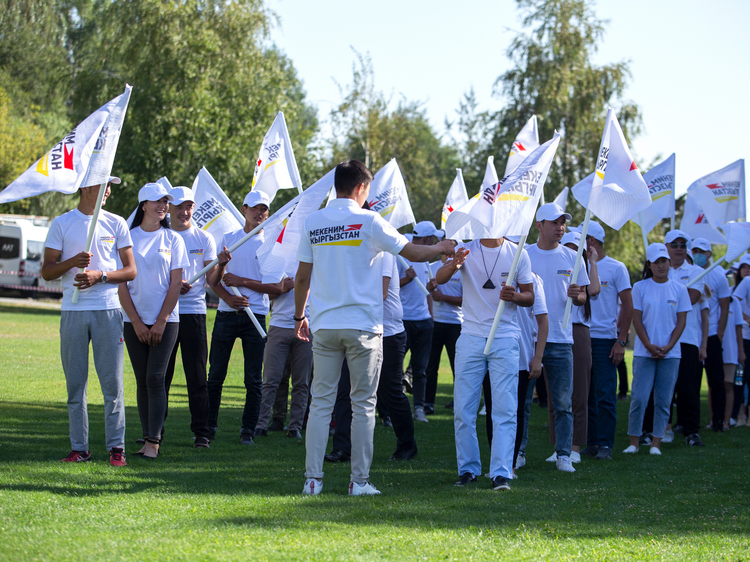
96 318
554 263
191 338
340 258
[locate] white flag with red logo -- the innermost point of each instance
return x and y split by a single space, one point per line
490 179
562 198
721 194
277 256
526 142
508 207
696 225
618 191
456 197
214 212
388 196
738 239
65 168
660 182
276 167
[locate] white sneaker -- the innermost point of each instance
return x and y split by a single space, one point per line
654 451
575 456
483 411
732 422
631 449
564 464
521 461
553 458
419 416
365 489
312 487
668 436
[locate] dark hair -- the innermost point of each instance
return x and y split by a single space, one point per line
138 218
349 174
737 278
647 273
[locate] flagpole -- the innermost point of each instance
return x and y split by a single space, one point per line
643 232
705 272
249 312
501 306
576 267
90 237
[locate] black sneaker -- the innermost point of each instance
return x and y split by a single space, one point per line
261 433
201 443
276 425
694 440
246 439
590 450
500 483
677 429
405 455
645 439
604 454
295 434
466 478
337 455
429 410
387 422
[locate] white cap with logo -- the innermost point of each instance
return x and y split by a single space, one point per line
551 212
701 244
153 192
656 251
182 194
425 228
673 235
255 198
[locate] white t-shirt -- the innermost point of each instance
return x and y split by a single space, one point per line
692 334
442 311
413 299
659 303
156 255
614 279
729 343
528 324
742 292
555 267
393 311
479 304
716 279
244 263
68 233
201 248
282 311
344 244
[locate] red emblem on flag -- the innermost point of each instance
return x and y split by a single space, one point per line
633 166
67 158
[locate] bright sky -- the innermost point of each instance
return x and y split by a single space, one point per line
689 63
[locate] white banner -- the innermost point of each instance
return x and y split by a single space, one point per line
214 212
738 239
695 224
562 198
721 194
456 197
526 142
388 196
490 179
660 182
276 167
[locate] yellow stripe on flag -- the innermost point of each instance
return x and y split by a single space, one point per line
600 174
213 221
387 211
41 166
270 164
726 198
660 195
342 243
513 197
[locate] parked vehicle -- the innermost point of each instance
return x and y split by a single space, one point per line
22 241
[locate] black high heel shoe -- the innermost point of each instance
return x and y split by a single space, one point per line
158 451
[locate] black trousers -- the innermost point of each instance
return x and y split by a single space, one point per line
622 375
191 339
523 387
688 390
714 364
443 335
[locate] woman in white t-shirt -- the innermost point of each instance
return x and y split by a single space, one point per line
150 306
660 308
739 411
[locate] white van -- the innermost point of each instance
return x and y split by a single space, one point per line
22 241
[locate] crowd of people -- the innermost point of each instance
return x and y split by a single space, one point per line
340 328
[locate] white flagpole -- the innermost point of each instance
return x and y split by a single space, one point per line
577 266
90 237
541 197
249 312
643 232
703 273
501 306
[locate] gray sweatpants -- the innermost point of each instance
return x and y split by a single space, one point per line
103 328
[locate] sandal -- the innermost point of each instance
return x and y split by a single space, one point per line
152 442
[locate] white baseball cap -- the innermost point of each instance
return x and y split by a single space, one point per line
153 192
551 212
701 244
114 179
425 228
744 260
673 235
656 251
255 198
571 237
182 194
596 231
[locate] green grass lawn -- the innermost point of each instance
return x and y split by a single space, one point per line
232 502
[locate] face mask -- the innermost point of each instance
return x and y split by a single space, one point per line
700 260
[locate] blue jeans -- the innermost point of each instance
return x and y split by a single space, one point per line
227 328
602 394
471 366
558 368
659 375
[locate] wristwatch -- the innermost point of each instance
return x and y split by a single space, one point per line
623 343
104 277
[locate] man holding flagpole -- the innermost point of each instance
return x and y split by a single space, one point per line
96 318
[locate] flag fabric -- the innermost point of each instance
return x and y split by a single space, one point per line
276 167
660 182
721 194
65 168
508 207
618 191
163 181
277 256
696 225
388 196
456 197
562 198
738 239
214 212
526 142
490 179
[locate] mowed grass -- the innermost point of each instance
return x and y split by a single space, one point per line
232 502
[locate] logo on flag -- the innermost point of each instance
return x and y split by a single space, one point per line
725 191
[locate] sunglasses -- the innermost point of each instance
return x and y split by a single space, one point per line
675 245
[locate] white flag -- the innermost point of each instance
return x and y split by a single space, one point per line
507 208
562 198
695 224
388 196
618 191
277 256
214 212
163 181
276 167
721 194
64 168
456 197
660 181
526 142
738 239
490 179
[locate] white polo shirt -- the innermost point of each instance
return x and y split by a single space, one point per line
393 311
614 279
716 279
413 299
344 244
659 304
528 324
692 334
200 248
444 312
244 263
742 291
